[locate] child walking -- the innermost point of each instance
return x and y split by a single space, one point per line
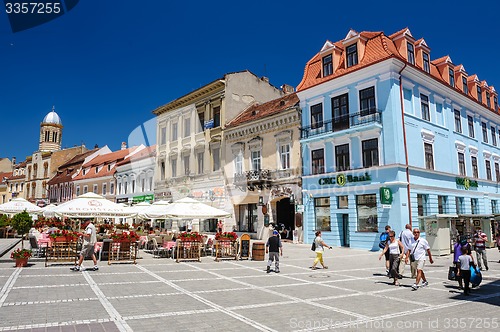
275 249
465 261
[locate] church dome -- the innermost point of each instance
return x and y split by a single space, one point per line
52 117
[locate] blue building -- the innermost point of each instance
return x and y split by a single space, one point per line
390 136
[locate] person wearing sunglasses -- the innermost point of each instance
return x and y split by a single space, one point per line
396 253
417 258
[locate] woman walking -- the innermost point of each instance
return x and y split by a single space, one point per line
396 252
320 244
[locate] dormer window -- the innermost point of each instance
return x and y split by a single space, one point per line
452 77
488 102
464 85
352 55
411 53
479 95
327 65
427 66
495 103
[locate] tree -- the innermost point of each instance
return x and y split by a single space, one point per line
22 223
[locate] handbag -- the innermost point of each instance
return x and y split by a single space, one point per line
452 275
313 246
412 255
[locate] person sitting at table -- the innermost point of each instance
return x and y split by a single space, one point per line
36 233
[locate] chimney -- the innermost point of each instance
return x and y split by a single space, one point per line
124 145
286 88
97 146
13 161
265 79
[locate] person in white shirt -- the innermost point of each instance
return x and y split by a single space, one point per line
406 237
89 241
418 250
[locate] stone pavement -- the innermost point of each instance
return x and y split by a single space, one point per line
158 294
7 244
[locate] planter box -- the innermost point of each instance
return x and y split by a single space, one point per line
226 249
188 251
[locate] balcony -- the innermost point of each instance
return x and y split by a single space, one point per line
342 123
258 179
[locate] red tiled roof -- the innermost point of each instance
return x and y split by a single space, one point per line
378 47
147 152
103 160
6 175
17 177
66 171
260 111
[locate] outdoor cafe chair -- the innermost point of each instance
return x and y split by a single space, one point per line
104 251
35 247
159 250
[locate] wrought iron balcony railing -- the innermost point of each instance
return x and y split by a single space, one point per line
342 123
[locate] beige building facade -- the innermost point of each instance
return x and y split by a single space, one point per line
263 168
190 141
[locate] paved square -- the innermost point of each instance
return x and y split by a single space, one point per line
161 295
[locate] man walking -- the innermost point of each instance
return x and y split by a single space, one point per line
408 240
275 249
417 251
480 244
89 241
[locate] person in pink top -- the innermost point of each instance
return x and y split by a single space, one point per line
480 240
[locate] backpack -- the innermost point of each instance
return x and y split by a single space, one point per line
384 237
313 246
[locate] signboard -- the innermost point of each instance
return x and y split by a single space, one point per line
122 200
244 246
299 208
342 179
138 199
466 183
209 124
385 196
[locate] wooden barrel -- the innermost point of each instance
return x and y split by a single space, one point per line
258 251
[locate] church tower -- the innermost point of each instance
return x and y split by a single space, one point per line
50 132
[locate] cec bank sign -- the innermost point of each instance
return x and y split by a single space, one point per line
342 179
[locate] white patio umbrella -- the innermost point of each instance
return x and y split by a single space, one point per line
188 208
18 205
154 211
91 205
48 211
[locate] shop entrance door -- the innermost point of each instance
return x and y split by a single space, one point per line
285 213
345 231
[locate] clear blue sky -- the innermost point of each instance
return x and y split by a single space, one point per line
106 65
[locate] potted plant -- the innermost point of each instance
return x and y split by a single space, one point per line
226 236
22 223
21 256
190 236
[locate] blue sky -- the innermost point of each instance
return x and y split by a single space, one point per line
106 65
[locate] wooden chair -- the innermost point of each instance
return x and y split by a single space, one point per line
106 245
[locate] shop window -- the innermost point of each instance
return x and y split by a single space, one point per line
422 205
322 213
474 206
247 218
442 204
366 208
342 202
494 206
459 203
